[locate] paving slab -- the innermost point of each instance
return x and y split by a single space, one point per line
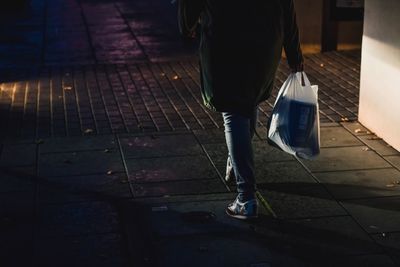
356 128
83 188
378 260
204 186
170 169
210 136
16 228
13 244
80 163
18 155
291 202
16 211
17 179
324 239
263 153
337 137
262 133
329 124
395 160
377 215
75 144
391 243
105 250
378 145
80 218
346 158
167 199
160 146
361 183
221 250
217 152
281 173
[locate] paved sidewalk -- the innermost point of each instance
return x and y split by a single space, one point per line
108 158
147 97
84 32
158 200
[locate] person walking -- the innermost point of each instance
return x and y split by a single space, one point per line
240 49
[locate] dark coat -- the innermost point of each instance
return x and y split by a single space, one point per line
240 48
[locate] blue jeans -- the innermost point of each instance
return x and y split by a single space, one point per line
239 132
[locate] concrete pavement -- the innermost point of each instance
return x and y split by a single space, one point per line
108 157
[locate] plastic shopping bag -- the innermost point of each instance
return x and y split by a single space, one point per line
294 123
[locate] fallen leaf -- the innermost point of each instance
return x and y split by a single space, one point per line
360 131
375 138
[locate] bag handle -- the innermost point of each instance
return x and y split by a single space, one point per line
303 79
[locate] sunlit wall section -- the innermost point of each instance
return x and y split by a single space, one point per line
380 70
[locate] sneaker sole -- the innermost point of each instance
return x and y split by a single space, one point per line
240 217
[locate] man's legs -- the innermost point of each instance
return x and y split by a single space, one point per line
239 131
229 172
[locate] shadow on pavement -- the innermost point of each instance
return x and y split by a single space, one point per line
284 242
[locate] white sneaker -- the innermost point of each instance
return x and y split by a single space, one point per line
243 210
